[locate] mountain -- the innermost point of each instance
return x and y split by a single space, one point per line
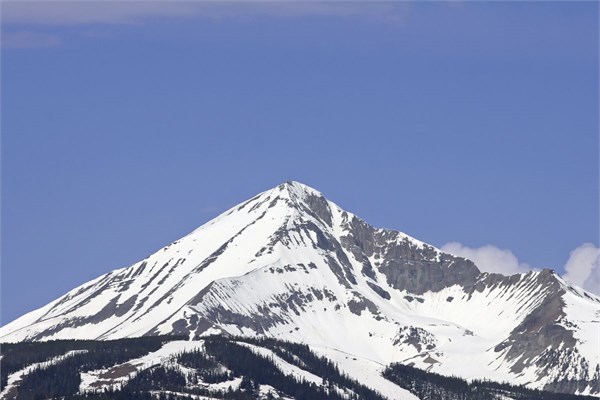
291 265
222 367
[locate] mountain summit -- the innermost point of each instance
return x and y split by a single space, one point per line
292 265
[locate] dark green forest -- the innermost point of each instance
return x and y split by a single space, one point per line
224 359
432 386
98 354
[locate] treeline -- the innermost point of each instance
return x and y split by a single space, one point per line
432 386
63 377
206 368
16 356
258 369
224 359
231 360
228 359
162 383
300 355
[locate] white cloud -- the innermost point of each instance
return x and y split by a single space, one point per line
583 267
488 258
28 39
110 12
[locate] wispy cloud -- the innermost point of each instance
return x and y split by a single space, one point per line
28 39
89 12
128 12
582 268
21 19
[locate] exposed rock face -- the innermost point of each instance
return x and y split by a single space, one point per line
419 338
407 265
290 264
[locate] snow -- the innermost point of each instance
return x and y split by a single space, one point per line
233 384
16 377
365 371
583 312
288 369
235 253
119 374
184 395
264 390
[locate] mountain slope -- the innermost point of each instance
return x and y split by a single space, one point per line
218 367
292 265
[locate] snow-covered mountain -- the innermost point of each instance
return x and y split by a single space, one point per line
292 265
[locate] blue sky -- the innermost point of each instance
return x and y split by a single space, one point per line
469 125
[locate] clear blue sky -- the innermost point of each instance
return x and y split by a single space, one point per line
123 129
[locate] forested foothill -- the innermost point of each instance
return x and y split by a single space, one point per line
232 364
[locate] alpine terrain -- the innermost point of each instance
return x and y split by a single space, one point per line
289 267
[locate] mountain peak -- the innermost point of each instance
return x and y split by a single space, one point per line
297 189
306 200
292 183
290 264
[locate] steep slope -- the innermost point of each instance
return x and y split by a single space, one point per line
290 264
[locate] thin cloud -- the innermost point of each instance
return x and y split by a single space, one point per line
489 258
130 12
89 12
28 39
